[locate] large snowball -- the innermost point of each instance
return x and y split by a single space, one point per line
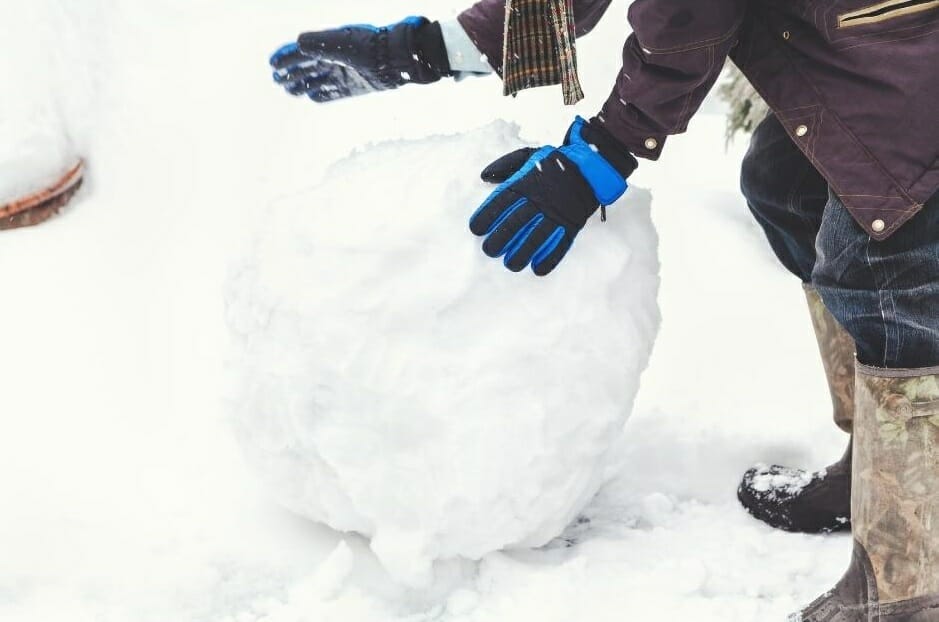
398 383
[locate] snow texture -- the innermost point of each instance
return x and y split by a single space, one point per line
399 384
783 482
47 52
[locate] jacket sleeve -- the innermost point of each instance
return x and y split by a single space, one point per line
484 22
670 62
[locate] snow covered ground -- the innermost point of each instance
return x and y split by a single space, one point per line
124 495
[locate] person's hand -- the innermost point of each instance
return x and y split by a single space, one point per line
359 59
547 195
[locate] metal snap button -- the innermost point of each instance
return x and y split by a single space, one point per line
802 130
786 35
651 144
878 225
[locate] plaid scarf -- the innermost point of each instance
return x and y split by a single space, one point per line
539 47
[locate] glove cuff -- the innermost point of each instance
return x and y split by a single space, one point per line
432 50
603 166
424 53
607 146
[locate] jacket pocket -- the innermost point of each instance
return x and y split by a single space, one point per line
884 12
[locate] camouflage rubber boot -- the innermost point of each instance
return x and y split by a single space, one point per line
798 500
894 573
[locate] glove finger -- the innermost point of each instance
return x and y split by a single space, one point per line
301 70
287 55
523 247
323 90
512 227
304 85
507 165
320 89
488 216
552 252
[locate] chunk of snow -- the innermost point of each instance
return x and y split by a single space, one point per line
396 382
784 481
329 579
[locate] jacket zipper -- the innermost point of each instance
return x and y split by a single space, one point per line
884 11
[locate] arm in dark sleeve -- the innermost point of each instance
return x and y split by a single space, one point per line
670 62
484 22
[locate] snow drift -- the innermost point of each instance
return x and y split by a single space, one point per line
55 51
394 381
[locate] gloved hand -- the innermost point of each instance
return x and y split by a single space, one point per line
359 59
547 195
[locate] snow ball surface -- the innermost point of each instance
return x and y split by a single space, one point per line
392 380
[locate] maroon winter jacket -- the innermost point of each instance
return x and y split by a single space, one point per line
855 83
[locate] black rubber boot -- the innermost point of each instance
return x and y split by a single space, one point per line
800 501
797 500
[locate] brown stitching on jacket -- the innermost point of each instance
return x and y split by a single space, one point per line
899 210
868 35
916 36
697 45
811 106
685 114
873 196
813 114
844 128
930 168
884 12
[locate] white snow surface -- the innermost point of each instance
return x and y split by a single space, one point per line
125 496
786 482
46 108
398 383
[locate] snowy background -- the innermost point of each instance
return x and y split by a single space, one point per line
123 495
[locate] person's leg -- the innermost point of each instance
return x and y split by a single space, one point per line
886 294
787 196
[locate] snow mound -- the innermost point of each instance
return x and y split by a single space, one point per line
394 381
39 127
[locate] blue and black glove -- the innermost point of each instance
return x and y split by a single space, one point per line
359 59
547 195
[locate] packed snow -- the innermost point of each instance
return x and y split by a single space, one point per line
45 109
125 493
399 384
786 482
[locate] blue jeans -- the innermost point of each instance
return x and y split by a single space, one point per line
885 294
